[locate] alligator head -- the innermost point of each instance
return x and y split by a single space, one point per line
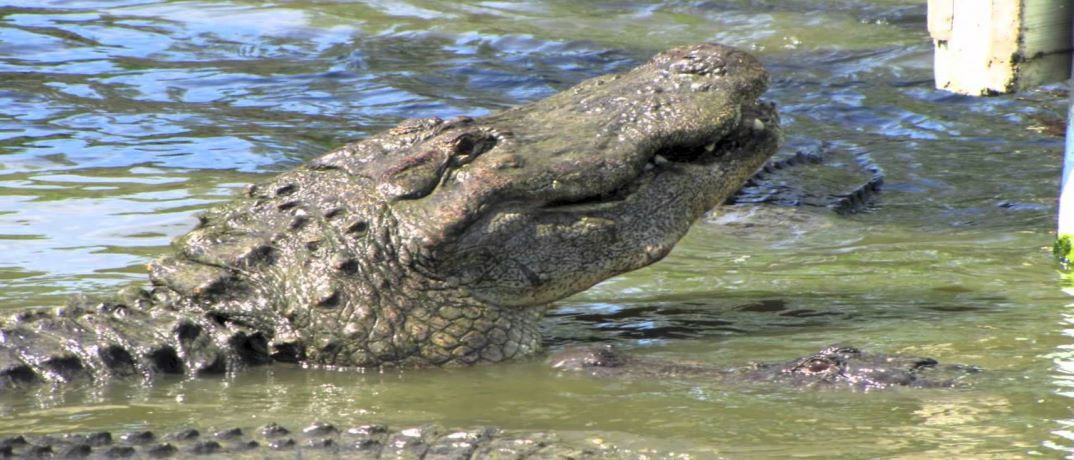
533 204
835 366
437 242
846 366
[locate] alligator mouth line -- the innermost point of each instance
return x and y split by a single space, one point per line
665 159
598 201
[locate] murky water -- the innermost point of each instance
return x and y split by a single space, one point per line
120 120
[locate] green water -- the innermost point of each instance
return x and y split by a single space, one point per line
120 120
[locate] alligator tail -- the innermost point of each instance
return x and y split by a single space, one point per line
845 180
319 440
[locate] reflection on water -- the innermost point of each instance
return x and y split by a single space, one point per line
122 119
1063 379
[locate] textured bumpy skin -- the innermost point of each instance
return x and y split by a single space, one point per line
843 182
836 366
433 243
316 441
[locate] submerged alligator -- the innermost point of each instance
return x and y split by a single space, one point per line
821 177
836 367
318 440
433 243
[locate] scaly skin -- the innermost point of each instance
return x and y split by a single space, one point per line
316 441
433 243
836 366
848 185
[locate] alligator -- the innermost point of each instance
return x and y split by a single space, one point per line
820 177
837 367
833 367
437 242
317 440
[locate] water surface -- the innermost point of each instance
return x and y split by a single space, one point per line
121 120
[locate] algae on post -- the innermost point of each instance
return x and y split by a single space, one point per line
1062 251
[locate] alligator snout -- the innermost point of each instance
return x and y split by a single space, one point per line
582 358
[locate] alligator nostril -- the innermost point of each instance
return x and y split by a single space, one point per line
925 362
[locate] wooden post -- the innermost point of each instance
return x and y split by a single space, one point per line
986 47
1064 243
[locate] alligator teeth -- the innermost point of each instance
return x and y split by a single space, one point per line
660 160
709 148
649 166
758 125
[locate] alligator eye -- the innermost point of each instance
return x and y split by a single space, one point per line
816 366
819 365
469 145
603 357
